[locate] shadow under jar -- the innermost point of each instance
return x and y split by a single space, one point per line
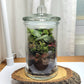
41 45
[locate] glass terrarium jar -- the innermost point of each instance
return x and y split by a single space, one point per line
41 44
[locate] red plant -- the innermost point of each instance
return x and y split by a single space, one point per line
52 45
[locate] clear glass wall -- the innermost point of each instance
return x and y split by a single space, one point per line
41 44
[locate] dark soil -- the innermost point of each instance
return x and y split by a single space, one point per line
40 66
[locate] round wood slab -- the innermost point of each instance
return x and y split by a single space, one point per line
64 76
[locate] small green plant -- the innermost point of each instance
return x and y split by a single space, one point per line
40 41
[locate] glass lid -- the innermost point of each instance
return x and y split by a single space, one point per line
41 14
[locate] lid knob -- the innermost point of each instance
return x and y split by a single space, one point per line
41 9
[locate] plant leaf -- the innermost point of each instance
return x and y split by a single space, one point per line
44 37
34 32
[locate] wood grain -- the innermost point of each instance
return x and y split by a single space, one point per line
70 59
59 59
2 65
64 76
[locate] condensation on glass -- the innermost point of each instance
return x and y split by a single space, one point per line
41 44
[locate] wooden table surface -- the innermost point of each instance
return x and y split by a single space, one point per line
59 59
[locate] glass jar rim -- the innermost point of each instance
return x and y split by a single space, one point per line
41 17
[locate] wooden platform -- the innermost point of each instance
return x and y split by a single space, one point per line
64 76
